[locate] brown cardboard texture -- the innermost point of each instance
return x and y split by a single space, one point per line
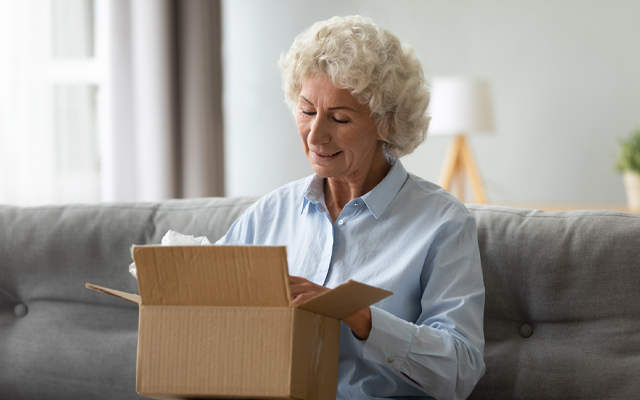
217 322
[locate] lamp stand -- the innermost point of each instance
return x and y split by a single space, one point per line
458 163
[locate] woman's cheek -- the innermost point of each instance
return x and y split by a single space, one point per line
303 128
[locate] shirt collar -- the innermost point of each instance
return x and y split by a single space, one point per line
377 200
313 192
381 196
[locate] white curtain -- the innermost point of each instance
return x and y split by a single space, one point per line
165 101
133 116
138 159
27 173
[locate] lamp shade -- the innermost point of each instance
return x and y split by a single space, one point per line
460 105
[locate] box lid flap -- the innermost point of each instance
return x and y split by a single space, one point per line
251 276
134 298
345 300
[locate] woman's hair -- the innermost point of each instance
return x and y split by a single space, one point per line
371 63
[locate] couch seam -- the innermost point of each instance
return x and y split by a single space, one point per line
156 207
620 214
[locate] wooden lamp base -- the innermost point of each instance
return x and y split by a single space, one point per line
458 163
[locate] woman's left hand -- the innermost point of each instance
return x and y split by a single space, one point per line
303 290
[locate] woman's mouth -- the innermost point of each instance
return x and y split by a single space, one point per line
325 155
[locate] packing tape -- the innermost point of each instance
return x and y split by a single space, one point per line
316 353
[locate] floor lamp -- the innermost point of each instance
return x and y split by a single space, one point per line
459 107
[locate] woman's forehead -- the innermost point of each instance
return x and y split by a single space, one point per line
319 91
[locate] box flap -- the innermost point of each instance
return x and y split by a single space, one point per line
134 298
345 300
250 276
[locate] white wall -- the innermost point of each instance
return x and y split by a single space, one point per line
565 75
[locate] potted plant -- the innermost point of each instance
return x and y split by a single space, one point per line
629 164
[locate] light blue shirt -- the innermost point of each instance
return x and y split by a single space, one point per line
408 236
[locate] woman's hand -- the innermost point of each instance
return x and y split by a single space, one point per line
360 323
303 290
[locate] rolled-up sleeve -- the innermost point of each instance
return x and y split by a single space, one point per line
440 353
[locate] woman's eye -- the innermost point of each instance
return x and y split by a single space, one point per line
340 121
308 112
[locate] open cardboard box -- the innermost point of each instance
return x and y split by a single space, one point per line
217 322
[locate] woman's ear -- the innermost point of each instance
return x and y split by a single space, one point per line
383 138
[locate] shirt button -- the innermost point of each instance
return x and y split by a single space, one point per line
390 360
356 204
341 222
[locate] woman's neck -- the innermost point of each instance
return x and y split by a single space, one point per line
339 191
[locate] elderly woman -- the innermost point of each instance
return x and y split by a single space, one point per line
359 100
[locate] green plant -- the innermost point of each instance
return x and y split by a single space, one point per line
629 155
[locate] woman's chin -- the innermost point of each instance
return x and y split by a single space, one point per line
328 167
324 171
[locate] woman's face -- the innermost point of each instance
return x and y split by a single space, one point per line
339 137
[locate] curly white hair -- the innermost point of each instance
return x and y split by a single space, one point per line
374 66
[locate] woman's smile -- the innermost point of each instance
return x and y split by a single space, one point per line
325 156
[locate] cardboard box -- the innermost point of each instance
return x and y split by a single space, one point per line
217 322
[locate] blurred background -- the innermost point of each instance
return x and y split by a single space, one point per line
143 100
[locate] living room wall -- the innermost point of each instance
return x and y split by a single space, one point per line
564 74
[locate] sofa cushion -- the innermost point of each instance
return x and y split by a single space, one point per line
59 340
562 312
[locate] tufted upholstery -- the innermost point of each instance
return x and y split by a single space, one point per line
74 343
562 311
561 317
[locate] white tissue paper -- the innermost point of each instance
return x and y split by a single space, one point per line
173 238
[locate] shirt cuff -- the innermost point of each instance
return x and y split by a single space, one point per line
389 341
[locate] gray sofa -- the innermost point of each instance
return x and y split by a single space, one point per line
562 316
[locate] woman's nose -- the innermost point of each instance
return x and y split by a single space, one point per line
319 133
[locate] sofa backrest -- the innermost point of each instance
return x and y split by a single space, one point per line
59 340
562 310
561 315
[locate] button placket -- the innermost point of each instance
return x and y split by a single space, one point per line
322 210
348 213
325 260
